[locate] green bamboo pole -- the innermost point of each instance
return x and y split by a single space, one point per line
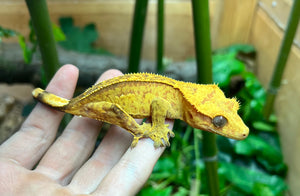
202 40
204 71
282 58
137 33
42 25
160 35
197 182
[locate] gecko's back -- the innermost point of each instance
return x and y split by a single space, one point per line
134 96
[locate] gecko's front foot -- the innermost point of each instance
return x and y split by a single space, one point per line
158 133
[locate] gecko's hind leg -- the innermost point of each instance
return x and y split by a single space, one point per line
114 114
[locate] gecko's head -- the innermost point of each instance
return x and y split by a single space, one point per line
216 113
228 126
224 120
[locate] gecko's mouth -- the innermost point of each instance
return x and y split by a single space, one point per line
241 136
217 132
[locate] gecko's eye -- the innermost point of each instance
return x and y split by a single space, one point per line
219 121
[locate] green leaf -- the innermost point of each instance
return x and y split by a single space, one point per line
225 66
257 146
79 39
263 126
273 118
262 190
246 179
253 86
253 99
27 53
255 105
6 33
32 36
181 192
155 192
164 168
237 48
165 164
58 33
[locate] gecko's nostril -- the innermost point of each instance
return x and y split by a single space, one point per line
244 135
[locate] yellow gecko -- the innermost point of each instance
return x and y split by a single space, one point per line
121 99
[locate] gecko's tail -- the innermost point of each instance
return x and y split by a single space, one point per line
50 99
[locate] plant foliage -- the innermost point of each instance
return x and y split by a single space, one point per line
67 35
6 33
80 39
30 49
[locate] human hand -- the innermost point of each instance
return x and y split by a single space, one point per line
32 163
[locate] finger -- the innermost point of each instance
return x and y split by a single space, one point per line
133 169
39 130
111 148
73 147
70 150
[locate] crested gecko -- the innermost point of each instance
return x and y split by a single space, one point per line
121 99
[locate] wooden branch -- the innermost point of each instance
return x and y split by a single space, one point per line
14 70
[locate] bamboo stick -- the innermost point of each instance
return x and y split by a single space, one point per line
43 29
204 69
282 57
137 33
160 35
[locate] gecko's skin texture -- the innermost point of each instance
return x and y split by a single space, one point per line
121 99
